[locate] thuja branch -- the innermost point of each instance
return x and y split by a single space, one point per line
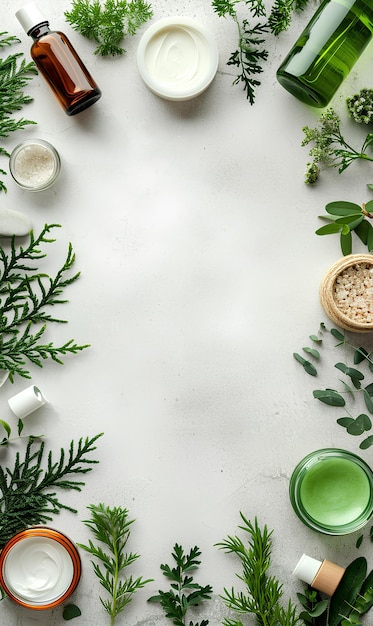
27 491
26 298
15 74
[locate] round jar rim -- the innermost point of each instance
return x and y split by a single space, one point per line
35 142
327 292
309 461
49 533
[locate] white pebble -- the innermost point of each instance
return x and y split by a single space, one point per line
14 223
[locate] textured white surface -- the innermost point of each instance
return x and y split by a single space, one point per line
194 234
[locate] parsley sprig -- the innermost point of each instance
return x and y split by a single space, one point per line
15 74
108 24
26 296
27 491
184 593
111 528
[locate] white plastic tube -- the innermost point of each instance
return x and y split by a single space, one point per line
27 401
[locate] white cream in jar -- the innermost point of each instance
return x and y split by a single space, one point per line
177 58
40 568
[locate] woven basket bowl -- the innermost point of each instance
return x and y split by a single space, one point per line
328 294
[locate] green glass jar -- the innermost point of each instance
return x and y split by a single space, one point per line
331 491
327 50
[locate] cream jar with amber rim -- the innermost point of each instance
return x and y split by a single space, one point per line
346 293
39 568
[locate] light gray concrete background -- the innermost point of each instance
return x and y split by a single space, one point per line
200 269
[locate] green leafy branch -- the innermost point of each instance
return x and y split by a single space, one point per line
362 423
15 74
111 528
352 599
109 23
27 491
263 593
184 593
26 296
7 437
346 218
330 148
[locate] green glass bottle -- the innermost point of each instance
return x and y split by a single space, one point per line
327 49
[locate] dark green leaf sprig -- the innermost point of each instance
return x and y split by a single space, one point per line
109 22
263 592
27 490
26 298
346 218
352 599
15 74
111 528
352 384
184 593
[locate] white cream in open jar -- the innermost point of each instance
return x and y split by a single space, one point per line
177 58
39 568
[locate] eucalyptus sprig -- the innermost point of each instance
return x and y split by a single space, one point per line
184 593
263 592
28 489
15 74
111 528
352 385
108 23
26 298
346 218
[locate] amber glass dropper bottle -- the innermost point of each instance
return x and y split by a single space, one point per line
58 62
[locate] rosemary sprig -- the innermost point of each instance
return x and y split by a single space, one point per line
111 527
184 593
263 592
25 298
27 495
15 74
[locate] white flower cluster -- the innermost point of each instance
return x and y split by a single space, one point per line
360 106
353 292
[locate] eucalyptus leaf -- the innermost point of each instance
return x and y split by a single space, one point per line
315 338
355 375
307 365
345 421
329 396
359 541
312 351
360 355
367 443
362 231
350 219
329 229
337 334
369 206
341 602
348 388
368 400
6 427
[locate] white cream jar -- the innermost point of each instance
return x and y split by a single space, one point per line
177 58
39 568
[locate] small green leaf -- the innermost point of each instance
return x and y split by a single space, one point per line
337 334
319 609
312 351
329 396
360 355
315 338
307 365
348 388
366 443
346 242
369 206
352 373
345 421
329 229
20 426
368 400
341 207
359 541
6 427
70 611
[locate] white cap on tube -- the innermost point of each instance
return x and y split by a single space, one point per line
27 401
307 568
30 16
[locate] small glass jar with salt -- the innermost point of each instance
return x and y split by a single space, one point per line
34 165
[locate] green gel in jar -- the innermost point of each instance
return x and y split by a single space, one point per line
331 491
